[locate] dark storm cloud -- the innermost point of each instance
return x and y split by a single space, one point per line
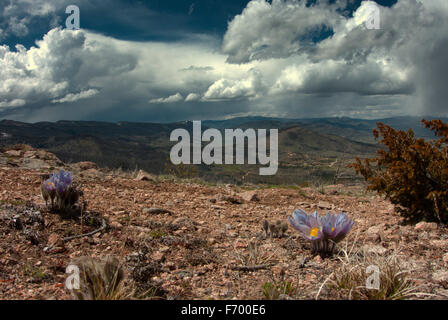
144 61
433 79
23 21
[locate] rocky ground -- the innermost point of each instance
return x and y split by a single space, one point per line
206 243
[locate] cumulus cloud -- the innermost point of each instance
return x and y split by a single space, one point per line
407 56
59 68
171 99
196 68
13 103
193 97
65 66
73 97
274 60
275 30
413 37
371 78
230 89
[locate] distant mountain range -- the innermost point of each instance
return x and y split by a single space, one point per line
309 149
354 129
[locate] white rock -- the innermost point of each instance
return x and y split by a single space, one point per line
440 275
379 250
426 226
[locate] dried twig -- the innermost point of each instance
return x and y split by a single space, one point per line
322 286
103 227
252 268
436 207
157 211
82 212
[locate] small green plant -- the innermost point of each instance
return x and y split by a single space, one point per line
278 290
181 171
150 292
36 274
302 193
321 189
14 202
157 233
319 186
305 184
125 220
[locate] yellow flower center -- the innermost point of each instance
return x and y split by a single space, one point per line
332 229
314 232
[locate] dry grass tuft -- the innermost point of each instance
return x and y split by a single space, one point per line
350 280
100 279
254 255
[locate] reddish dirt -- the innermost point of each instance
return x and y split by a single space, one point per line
195 250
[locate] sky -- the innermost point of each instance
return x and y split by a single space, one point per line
166 60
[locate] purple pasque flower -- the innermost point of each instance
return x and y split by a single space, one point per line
308 225
49 185
63 177
59 181
61 186
66 177
336 226
323 232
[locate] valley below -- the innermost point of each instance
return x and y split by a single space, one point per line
311 151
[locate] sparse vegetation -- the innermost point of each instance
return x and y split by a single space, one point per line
100 279
412 173
34 273
278 290
274 230
181 171
179 239
147 146
349 280
157 233
253 256
13 202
